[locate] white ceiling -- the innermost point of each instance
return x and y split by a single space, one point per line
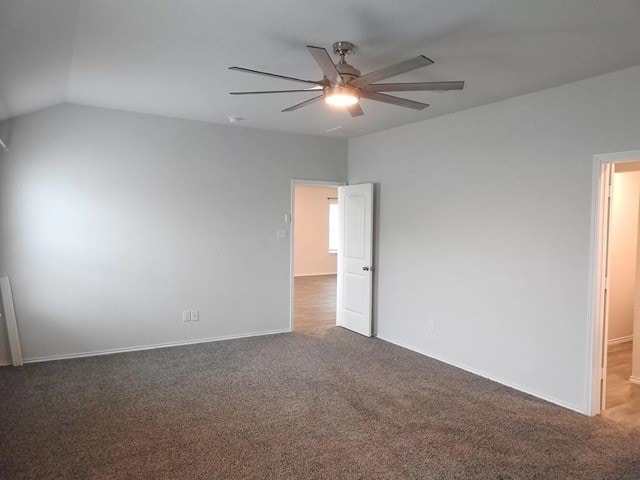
170 57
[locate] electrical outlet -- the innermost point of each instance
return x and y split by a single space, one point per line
281 234
431 326
195 315
186 316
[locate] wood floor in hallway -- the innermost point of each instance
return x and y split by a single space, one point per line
314 302
623 397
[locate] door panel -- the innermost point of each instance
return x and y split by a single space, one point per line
355 205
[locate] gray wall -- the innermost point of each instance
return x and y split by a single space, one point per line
484 228
112 223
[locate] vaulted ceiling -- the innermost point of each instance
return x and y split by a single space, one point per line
170 57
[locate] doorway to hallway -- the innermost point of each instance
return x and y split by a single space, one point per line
315 248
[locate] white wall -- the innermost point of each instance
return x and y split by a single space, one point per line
484 228
112 223
311 253
623 244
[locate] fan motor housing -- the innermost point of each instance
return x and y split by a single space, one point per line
347 72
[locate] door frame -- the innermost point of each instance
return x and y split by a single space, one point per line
291 220
602 169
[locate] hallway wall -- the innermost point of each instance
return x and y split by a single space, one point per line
311 255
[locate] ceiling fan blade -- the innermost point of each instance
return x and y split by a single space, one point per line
275 91
274 75
391 71
415 87
325 63
400 102
303 104
355 110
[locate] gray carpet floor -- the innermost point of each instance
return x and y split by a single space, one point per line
324 404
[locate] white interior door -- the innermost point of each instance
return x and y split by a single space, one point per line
355 251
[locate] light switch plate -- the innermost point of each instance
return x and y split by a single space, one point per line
195 315
186 315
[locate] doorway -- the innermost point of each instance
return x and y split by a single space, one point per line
314 254
617 279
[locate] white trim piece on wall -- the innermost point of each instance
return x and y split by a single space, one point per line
150 347
596 333
635 380
618 341
11 322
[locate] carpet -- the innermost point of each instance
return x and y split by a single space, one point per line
323 404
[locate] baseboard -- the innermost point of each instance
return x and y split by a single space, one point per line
5 364
488 376
617 341
150 347
315 274
635 380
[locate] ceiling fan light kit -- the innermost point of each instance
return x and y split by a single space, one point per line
341 96
342 85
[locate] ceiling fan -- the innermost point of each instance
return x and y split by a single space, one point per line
343 86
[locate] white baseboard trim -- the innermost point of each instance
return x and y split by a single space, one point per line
314 274
635 380
5 364
488 376
97 353
617 341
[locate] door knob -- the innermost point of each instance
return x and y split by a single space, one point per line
366 269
